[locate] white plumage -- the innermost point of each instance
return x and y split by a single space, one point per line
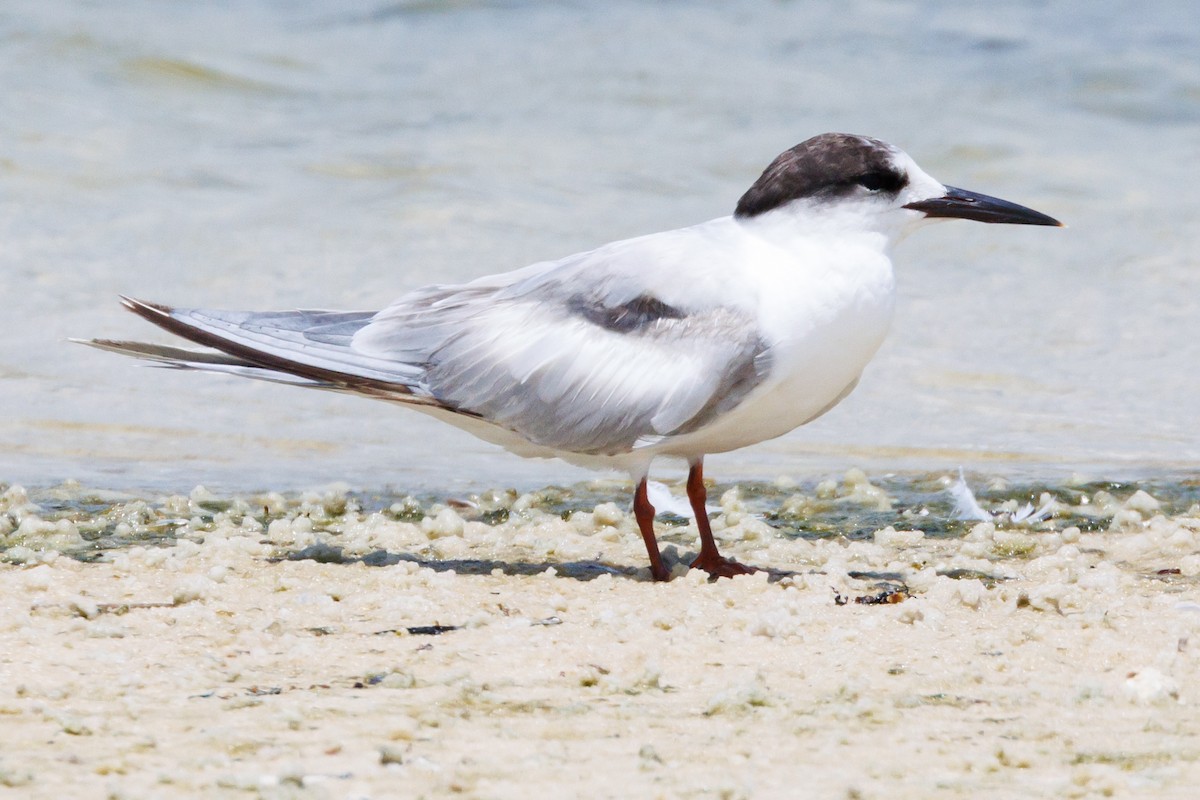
693 341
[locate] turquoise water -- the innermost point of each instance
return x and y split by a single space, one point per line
275 155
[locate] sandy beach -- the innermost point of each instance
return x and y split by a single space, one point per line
306 646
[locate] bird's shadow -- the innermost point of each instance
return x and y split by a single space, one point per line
574 570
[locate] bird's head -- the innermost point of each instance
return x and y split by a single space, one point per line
840 181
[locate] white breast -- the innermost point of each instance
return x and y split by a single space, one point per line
825 306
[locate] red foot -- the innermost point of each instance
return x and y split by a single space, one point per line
659 572
720 567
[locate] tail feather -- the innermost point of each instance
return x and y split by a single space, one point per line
203 360
278 340
308 348
165 354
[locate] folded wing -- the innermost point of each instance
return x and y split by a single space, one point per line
587 372
596 366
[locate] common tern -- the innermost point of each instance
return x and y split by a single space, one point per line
678 344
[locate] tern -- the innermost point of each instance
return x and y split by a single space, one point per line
677 344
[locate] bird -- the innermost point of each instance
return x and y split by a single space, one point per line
678 344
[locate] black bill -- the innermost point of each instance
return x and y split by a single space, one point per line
961 204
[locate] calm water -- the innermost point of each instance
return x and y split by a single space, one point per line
282 154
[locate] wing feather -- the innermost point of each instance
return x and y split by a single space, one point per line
592 372
597 354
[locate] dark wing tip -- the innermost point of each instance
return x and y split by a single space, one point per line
150 311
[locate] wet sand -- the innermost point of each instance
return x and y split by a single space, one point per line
325 645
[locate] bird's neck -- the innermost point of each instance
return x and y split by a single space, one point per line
797 229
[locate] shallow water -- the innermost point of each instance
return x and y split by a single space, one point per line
266 154
90 524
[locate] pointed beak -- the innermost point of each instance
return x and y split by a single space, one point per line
961 204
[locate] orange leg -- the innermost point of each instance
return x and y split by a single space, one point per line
709 559
644 513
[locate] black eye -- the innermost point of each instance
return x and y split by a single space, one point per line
881 180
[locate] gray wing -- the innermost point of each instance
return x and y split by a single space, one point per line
591 355
601 369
